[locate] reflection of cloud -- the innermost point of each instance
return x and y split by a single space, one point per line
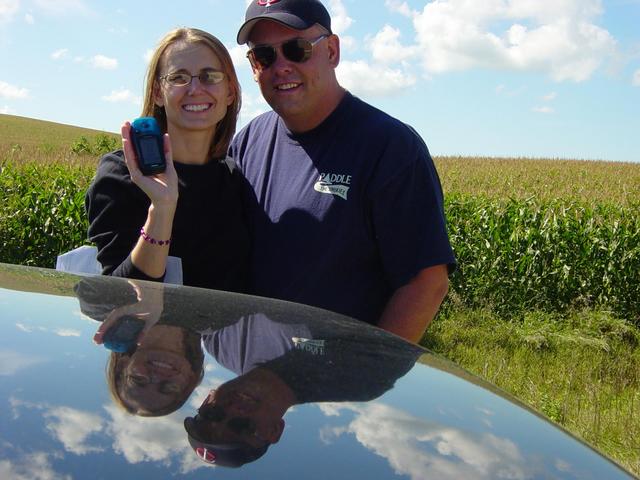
414 446
141 439
12 362
35 466
67 332
72 427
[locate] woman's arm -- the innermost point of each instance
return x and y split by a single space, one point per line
120 202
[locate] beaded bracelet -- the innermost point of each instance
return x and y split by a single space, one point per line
152 240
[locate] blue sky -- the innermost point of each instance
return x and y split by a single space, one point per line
517 78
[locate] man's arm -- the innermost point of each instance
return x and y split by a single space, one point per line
412 307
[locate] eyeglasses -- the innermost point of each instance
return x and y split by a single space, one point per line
207 76
298 50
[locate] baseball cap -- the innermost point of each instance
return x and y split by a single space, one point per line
222 454
296 14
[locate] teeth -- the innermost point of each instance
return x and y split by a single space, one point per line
287 86
196 108
161 364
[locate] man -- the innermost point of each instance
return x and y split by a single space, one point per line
347 208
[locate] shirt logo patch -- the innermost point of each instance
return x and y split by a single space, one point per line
314 347
333 184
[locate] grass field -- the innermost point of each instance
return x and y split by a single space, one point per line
530 234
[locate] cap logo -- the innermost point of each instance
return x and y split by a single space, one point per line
206 455
267 3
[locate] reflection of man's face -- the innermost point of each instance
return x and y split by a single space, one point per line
239 411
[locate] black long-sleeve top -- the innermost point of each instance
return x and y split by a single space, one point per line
209 228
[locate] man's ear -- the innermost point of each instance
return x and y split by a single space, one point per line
275 432
334 50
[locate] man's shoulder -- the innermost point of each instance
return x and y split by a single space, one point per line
379 122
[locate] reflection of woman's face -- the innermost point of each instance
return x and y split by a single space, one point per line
158 372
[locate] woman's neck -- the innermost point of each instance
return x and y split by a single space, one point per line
192 147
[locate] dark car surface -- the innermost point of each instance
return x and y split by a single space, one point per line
287 391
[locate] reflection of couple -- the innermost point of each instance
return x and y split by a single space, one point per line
279 364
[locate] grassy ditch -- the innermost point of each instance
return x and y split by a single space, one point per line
581 370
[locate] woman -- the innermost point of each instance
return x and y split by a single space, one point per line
193 210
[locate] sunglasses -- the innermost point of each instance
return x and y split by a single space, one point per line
298 50
216 414
207 76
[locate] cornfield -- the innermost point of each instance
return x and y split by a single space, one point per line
515 254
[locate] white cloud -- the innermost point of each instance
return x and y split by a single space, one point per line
407 442
636 78
120 96
6 110
399 7
550 96
556 38
34 466
252 106
103 62
544 109
364 79
63 7
340 19
10 91
387 49
12 362
8 9
147 55
60 54
72 427
29 19
239 56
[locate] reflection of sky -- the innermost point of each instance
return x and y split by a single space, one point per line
450 432
58 422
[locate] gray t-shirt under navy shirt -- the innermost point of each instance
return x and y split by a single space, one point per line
343 215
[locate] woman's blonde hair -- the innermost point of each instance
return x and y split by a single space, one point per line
227 126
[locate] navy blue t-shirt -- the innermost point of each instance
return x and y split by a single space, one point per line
343 215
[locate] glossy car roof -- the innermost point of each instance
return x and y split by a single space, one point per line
366 404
